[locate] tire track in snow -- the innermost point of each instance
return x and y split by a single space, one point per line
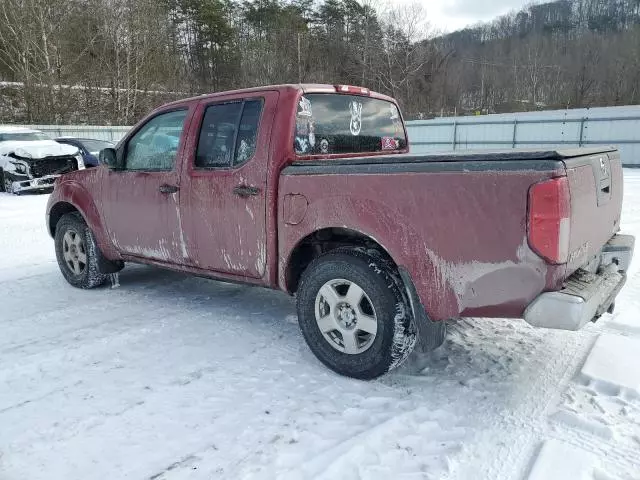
602 419
620 460
521 429
348 453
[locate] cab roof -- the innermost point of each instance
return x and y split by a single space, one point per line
303 87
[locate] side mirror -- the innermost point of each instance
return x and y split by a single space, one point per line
109 157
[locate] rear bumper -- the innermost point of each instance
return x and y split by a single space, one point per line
585 295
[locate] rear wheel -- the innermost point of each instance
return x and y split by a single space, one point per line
77 252
354 315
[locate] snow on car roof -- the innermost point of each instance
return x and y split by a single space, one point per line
69 137
16 129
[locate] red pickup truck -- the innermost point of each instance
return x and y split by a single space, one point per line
311 189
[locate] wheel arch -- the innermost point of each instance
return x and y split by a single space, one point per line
322 241
434 288
57 211
69 197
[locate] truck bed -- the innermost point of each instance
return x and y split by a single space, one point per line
458 221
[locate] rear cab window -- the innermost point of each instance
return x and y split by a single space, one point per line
347 124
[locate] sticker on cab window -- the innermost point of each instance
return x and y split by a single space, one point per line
356 118
393 110
390 143
305 138
324 146
304 107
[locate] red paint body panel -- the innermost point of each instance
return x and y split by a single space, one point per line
461 233
81 191
228 233
140 220
592 225
437 226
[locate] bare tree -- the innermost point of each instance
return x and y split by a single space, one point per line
109 61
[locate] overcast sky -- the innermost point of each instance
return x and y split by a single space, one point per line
449 15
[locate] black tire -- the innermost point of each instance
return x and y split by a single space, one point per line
89 276
396 334
4 176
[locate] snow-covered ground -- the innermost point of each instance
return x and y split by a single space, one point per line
172 377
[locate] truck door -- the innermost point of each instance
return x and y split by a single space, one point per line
224 191
141 201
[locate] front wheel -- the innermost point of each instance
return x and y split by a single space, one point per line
77 252
7 182
354 315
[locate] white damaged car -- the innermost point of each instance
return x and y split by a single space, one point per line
31 161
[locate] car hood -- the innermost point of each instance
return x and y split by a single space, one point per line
37 149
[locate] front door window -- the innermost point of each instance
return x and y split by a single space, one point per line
155 146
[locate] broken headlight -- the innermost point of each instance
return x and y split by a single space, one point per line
20 168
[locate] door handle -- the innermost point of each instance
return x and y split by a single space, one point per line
246 191
164 188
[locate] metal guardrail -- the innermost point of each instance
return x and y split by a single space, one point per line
580 141
98 132
559 128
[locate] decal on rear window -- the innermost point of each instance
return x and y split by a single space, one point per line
389 143
305 135
304 108
356 118
394 112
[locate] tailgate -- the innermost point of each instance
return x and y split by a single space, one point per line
595 187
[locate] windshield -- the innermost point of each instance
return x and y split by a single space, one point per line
334 123
23 136
95 145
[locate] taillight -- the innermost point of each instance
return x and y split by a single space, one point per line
352 89
549 219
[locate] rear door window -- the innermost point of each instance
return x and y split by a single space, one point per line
335 123
228 134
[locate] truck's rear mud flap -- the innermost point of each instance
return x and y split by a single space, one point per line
430 334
